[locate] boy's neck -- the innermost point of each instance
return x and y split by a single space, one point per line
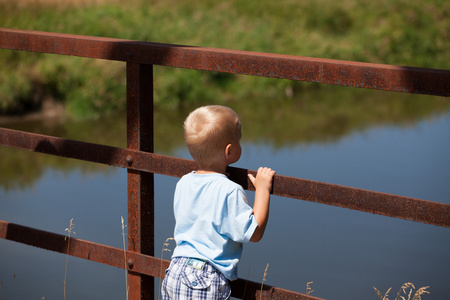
210 170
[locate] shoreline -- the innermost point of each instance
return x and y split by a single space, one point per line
50 110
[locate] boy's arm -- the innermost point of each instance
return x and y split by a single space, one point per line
263 185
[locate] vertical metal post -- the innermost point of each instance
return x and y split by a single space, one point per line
140 184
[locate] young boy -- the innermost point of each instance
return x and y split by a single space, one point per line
212 215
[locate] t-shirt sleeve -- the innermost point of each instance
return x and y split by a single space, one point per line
240 223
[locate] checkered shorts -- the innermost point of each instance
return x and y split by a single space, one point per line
191 279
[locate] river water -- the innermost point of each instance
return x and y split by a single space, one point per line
344 252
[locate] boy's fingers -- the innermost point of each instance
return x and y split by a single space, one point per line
262 172
252 178
267 171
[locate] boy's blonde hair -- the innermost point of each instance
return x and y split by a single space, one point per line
208 130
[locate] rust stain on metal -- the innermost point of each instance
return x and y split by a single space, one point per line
396 206
136 262
139 263
140 184
329 71
141 162
244 289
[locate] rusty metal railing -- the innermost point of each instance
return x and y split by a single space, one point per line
329 71
142 163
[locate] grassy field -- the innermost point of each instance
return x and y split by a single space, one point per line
400 32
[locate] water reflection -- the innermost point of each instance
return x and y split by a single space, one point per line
379 141
317 116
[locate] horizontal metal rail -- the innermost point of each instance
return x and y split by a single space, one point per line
413 209
132 261
329 71
139 57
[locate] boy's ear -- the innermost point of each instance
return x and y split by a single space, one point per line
228 151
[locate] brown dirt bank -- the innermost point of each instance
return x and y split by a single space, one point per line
49 110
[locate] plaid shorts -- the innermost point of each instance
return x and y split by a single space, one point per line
189 278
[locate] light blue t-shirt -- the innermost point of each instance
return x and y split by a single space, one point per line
212 220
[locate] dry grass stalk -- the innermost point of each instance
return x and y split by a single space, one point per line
17 286
125 257
309 290
69 232
407 285
420 292
381 296
403 289
165 248
263 280
246 282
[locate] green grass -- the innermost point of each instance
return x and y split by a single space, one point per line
400 32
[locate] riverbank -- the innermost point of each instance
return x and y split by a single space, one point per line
50 109
399 32
319 117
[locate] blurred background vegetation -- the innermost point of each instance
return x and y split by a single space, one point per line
399 32
279 113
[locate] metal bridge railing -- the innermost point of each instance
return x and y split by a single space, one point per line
142 163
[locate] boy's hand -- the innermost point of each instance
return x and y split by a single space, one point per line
263 185
263 179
